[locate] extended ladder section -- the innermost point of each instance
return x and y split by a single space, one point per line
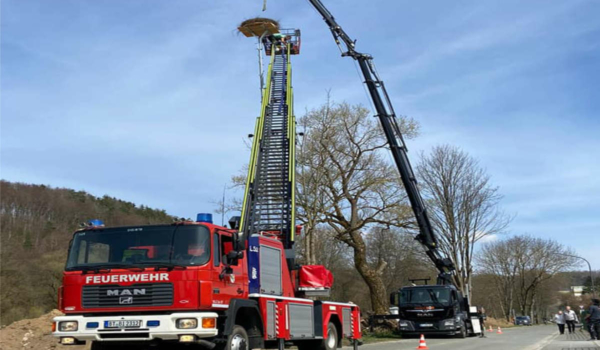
269 204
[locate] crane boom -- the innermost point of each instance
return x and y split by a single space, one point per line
387 118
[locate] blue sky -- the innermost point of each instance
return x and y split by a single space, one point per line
150 101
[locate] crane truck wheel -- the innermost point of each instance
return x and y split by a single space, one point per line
238 339
463 331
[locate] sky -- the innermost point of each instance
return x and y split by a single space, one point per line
150 101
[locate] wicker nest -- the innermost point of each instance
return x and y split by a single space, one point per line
258 26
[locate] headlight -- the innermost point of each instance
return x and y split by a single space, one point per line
67 326
187 323
449 323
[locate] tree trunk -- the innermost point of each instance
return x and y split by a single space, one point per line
312 251
373 279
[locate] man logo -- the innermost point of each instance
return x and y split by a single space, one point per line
125 300
116 292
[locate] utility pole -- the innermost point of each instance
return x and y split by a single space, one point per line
591 273
223 206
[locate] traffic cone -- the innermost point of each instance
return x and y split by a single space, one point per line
499 330
422 344
491 329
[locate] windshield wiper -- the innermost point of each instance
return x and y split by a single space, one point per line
93 269
157 266
96 268
433 297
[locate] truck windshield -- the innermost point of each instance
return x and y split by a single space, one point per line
425 296
140 247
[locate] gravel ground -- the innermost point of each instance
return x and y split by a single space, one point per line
32 334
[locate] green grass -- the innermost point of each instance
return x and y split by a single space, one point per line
379 337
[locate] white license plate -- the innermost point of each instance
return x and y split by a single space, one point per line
426 324
123 324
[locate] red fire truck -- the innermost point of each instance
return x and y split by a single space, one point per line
196 283
184 283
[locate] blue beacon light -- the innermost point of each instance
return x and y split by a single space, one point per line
96 222
205 217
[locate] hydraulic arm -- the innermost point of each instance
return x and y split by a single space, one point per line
387 117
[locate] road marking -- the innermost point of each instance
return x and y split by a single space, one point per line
543 343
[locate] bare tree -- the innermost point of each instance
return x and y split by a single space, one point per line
463 206
405 257
520 266
500 260
310 198
355 184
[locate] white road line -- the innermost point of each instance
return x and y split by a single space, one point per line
543 343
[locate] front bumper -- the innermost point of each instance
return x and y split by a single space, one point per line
166 330
425 327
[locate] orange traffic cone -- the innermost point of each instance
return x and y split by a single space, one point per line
499 330
491 329
422 344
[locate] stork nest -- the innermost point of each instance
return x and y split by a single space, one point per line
258 26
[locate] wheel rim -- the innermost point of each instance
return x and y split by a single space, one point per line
331 340
238 343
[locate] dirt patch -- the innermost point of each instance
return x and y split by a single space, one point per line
33 333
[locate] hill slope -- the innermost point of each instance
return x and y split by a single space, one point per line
36 225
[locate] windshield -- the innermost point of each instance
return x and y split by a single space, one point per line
522 318
140 247
425 296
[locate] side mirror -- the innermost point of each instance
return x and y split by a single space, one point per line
394 299
234 222
233 257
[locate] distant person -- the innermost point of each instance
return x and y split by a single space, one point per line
594 319
559 319
482 318
570 319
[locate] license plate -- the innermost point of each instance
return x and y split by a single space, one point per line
426 324
123 324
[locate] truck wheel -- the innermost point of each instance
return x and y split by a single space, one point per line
330 342
238 339
463 332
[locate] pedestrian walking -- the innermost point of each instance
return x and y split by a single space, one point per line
584 320
594 319
482 318
570 319
559 319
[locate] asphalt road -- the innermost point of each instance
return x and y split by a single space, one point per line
521 338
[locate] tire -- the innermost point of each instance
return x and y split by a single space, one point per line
330 341
463 332
238 339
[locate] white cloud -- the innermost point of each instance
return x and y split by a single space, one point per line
488 238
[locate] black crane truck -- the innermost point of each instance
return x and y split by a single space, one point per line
433 309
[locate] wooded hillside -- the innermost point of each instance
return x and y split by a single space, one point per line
37 223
